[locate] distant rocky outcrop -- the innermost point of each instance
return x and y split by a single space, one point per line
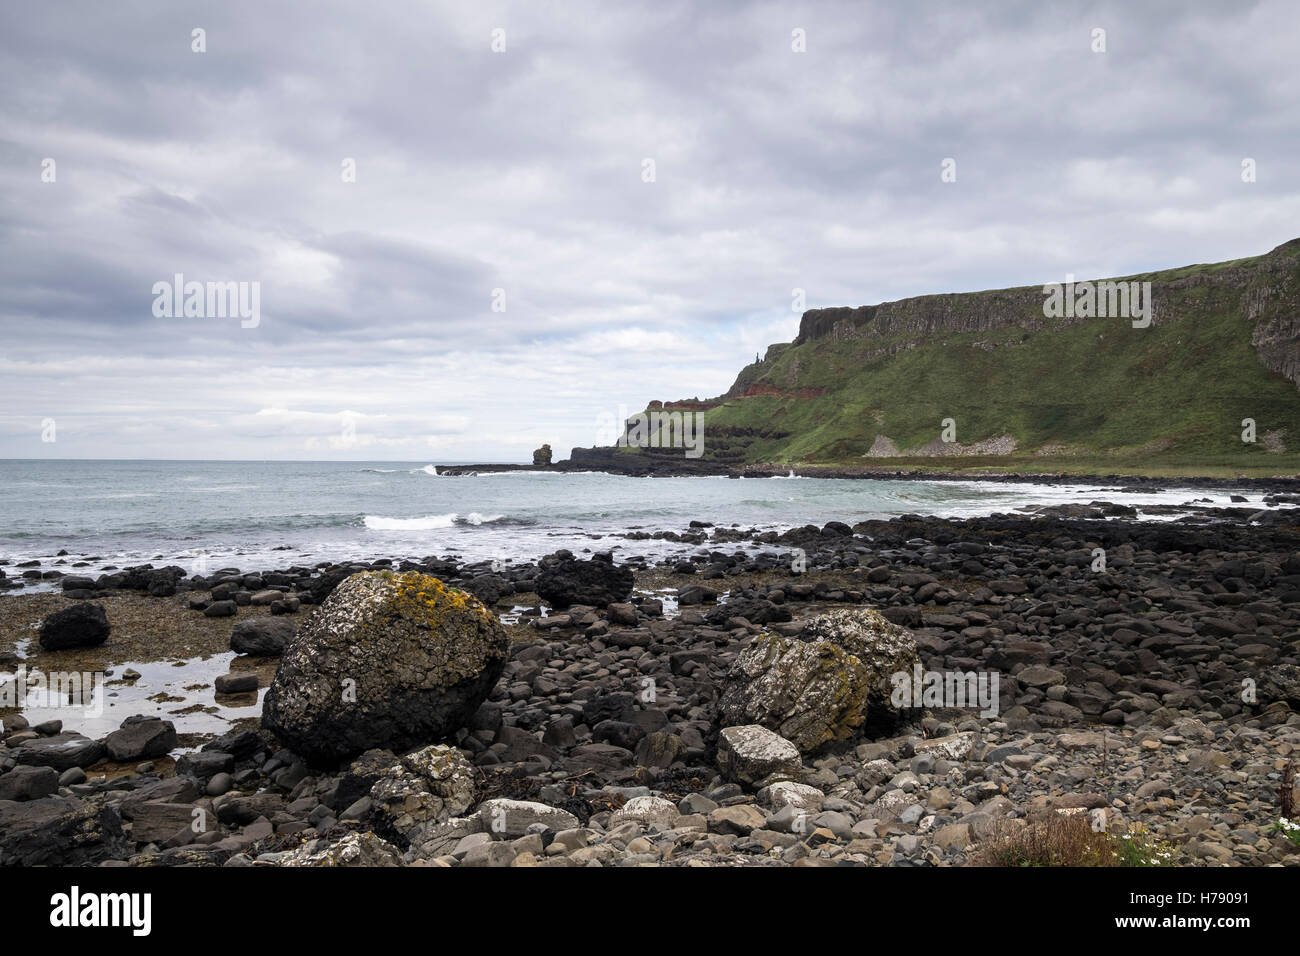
542 456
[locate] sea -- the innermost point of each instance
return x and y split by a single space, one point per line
260 515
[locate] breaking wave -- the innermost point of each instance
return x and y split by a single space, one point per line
432 522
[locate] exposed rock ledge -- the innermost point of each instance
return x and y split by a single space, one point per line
884 447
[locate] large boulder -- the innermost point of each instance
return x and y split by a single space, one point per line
809 693
564 581
389 660
81 625
262 636
881 646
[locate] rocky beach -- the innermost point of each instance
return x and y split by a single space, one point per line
759 698
740 437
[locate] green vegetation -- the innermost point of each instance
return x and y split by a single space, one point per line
1094 396
1288 829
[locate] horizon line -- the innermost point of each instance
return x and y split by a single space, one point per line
301 461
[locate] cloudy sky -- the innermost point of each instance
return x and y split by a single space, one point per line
501 272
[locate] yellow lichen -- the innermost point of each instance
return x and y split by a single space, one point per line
426 598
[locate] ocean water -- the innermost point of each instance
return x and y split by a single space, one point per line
261 515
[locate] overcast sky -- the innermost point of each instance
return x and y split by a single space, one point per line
524 170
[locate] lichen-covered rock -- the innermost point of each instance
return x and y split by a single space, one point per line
389 660
427 787
787 793
362 775
952 747
754 755
645 810
355 849
809 693
881 646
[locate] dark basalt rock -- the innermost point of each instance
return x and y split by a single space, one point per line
140 738
60 751
323 586
81 625
262 636
563 582
28 783
59 832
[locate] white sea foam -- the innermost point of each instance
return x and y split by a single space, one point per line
428 523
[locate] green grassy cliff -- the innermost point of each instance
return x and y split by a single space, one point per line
873 385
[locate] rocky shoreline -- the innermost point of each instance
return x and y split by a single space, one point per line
726 707
662 465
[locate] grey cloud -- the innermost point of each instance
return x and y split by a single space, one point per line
522 171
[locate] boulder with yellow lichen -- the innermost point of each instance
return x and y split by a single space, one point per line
830 684
809 693
389 660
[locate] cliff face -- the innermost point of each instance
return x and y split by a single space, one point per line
1272 306
1265 290
1222 344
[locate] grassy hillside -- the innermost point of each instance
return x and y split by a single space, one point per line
1076 395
